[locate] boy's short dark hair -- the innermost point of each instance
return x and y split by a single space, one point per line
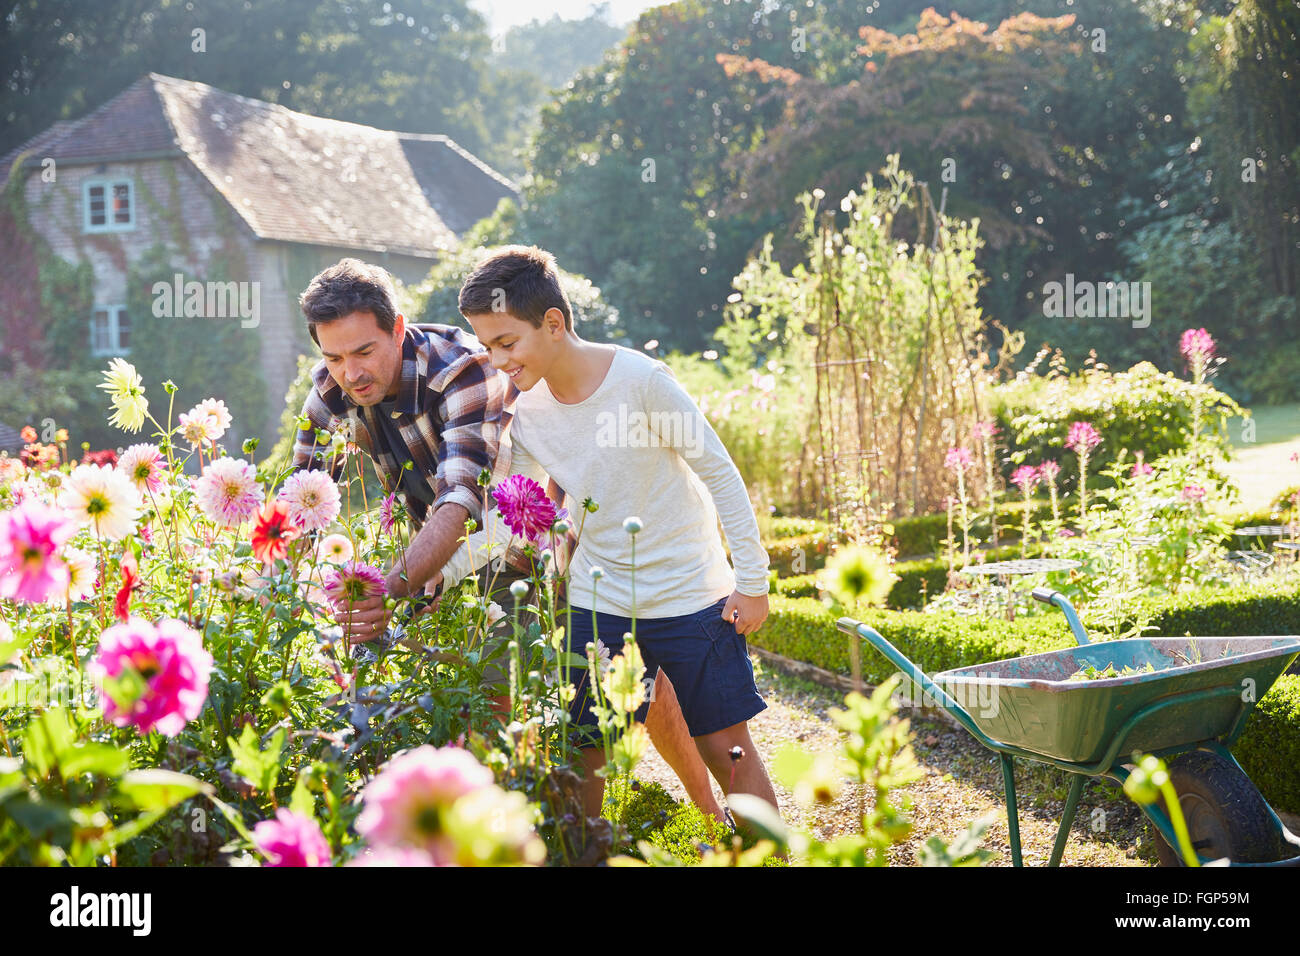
348 286
521 280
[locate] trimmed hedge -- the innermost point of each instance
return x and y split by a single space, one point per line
798 555
775 528
1269 749
907 590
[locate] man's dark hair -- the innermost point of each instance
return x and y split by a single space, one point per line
348 286
521 280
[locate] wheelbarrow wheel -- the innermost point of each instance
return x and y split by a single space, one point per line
1225 814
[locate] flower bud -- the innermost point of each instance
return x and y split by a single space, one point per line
518 589
632 525
597 572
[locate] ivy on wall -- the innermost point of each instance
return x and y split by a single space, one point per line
49 371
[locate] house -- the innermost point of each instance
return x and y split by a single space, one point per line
202 170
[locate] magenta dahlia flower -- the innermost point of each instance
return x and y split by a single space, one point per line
171 662
291 839
31 569
404 805
354 582
524 507
1082 438
387 520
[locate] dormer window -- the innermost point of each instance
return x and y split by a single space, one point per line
109 205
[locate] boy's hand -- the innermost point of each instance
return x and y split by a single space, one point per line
746 612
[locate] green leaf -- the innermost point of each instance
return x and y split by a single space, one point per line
760 816
47 739
302 800
157 789
259 767
103 759
9 648
790 765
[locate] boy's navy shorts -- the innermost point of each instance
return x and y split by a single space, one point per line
703 656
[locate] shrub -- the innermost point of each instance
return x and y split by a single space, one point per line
1269 749
1142 409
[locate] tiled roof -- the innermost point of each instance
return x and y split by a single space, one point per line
291 176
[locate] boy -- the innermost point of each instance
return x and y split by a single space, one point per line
611 424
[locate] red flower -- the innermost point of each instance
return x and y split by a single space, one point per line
105 456
130 581
273 532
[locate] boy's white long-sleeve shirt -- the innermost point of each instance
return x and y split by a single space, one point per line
637 446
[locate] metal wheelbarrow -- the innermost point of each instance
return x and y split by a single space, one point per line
1185 700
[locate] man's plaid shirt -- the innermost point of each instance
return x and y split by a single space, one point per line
449 411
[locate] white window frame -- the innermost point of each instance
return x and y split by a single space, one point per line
115 347
109 225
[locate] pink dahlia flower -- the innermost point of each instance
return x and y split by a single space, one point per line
173 665
524 507
228 492
313 499
31 569
145 466
393 856
404 806
291 839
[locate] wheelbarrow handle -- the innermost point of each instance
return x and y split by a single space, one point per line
857 629
1050 596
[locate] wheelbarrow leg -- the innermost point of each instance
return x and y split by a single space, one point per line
1071 805
1013 818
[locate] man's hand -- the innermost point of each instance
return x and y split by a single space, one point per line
365 620
434 588
746 612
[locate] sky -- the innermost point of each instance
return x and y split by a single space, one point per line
504 14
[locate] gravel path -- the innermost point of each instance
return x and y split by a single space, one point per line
962 782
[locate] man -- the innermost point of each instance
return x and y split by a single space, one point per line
426 395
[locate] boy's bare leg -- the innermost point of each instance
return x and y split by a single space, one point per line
670 736
750 774
593 786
